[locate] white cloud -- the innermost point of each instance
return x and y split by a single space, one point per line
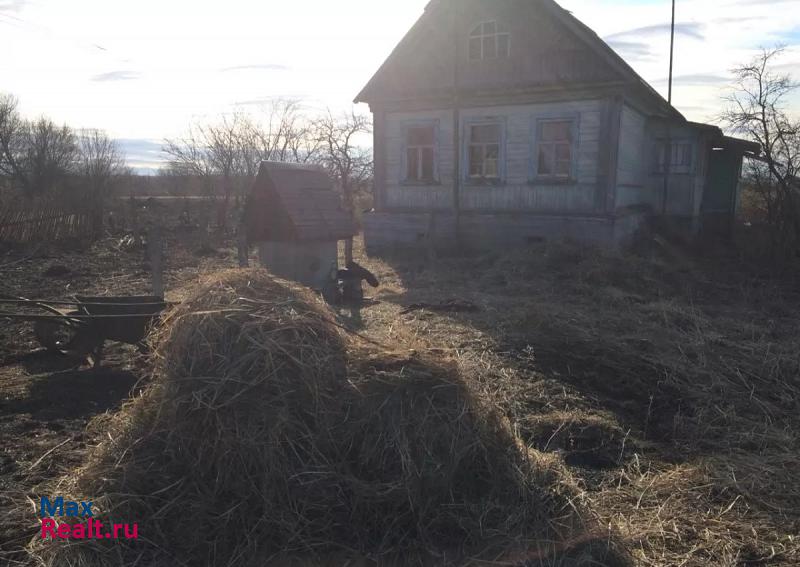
146 69
713 36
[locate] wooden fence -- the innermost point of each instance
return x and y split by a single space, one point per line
41 224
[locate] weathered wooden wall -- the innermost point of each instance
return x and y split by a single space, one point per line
635 153
424 197
519 191
309 263
543 52
685 190
640 185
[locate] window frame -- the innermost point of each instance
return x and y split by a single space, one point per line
658 167
406 127
466 137
537 125
483 36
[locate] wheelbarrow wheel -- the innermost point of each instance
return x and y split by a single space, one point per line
55 337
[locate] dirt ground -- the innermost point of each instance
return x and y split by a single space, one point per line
46 402
668 383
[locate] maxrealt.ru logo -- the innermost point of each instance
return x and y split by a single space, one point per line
90 529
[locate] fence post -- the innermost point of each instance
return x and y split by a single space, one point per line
242 246
155 253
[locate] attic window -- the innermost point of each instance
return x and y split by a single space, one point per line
489 41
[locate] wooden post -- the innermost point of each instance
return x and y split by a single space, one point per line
431 238
244 249
155 253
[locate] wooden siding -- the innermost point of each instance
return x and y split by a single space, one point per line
633 160
295 202
685 191
425 197
636 183
544 51
309 263
518 192
639 185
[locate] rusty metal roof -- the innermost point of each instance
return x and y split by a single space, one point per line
295 202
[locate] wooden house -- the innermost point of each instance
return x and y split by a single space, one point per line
502 122
296 220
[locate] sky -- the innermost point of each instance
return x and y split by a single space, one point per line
145 70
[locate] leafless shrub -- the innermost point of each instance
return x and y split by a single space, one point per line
228 152
757 111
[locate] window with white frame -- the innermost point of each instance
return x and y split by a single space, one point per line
489 40
485 150
681 156
555 148
420 154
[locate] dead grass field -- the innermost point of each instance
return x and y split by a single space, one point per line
669 385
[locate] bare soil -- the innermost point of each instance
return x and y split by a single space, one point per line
46 400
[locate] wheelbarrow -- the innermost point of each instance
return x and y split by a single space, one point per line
80 327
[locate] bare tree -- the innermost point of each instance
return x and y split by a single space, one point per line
285 134
346 161
756 110
100 163
11 129
190 157
37 155
49 155
230 150
189 154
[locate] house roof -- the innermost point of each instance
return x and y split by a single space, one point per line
588 35
386 78
295 202
745 146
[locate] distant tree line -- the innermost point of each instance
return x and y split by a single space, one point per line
41 159
226 153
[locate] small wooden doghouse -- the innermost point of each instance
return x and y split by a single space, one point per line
296 219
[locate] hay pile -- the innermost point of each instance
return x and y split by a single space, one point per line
268 435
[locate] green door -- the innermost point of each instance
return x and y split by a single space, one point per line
720 195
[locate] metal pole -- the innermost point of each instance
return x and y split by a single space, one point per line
456 130
668 142
671 52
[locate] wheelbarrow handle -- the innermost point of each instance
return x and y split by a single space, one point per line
25 301
65 320
76 318
44 302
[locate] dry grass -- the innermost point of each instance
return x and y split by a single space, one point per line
270 437
668 383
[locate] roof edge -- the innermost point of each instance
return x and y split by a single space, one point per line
582 32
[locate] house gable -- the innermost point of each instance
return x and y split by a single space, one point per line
549 48
543 52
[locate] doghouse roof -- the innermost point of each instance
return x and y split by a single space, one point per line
295 202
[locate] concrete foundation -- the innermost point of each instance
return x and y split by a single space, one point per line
395 232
